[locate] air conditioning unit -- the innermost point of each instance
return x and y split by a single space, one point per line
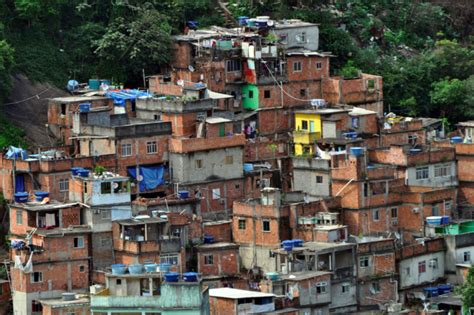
415 210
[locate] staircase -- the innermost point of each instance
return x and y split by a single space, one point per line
229 20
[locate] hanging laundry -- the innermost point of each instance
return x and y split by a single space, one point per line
50 219
28 267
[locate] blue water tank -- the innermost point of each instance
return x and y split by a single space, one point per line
193 24
94 84
75 170
287 245
431 291
172 277
456 139
248 167
21 197
357 151
40 195
72 85
135 269
83 172
298 243
183 194
151 267
242 20
190 277
119 269
444 289
208 239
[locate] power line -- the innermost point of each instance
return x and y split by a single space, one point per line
29 98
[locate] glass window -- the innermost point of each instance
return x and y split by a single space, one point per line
250 94
126 149
208 259
242 224
394 213
435 210
319 65
64 185
36 277
198 163
375 287
216 193
304 125
442 170
297 66
169 259
376 215
302 92
266 93
79 242
234 65
106 188
151 147
422 173
422 266
266 225
448 205
319 179
364 261
321 287
105 214
19 217
82 268
345 287
36 306
467 256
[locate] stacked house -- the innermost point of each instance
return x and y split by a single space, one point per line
245 180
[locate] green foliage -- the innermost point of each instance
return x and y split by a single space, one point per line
6 63
349 71
11 135
467 290
99 169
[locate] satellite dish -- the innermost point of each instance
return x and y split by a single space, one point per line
140 178
191 68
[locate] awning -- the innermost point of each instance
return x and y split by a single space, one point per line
149 177
218 96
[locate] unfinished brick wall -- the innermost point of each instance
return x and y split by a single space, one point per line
221 231
225 262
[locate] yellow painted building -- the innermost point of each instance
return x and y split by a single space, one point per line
307 131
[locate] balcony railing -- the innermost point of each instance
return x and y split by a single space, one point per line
305 137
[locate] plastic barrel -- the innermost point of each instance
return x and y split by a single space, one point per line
183 194
83 173
172 277
40 195
75 170
119 269
433 220
135 269
190 277
357 151
94 84
208 239
456 139
298 243
21 197
272 276
444 289
242 20
431 291
445 219
164 267
151 267
287 245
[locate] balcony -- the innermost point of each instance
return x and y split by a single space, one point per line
137 247
306 137
344 272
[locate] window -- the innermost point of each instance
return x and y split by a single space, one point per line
229 159
169 259
176 232
156 117
422 266
301 38
151 147
376 215
366 189
304 125
36 277
297 66
79 242
374 287
266 93
408 271
434 263
394 213
442 170
36 306
198 163
19 217
435 210
364 261
302 92
104 214
250 94
467 256
321 287
126 149
448 204
118 282
319 179
64 185
422 173
371 84
319 65
345 287
208 259
82 268
216 193
63 109
234 65
266 225
242 224
106 188
412 139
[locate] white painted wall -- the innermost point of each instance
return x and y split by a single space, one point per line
433 181
416 278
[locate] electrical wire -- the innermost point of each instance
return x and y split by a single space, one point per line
29 98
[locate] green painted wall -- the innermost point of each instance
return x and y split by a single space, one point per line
250 96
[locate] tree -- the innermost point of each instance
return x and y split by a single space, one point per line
6 64
467 291
449 99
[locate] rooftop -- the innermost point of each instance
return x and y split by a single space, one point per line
322 111
140 221
217 120
40 206
78 229
60 303
298 276
76 99
230 293
217 245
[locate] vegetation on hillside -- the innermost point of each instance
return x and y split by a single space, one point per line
422 49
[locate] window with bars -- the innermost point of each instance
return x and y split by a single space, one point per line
422 173
234 66
64 185
242 224
442 170
422 266
151 147
127 149
297 66
208 259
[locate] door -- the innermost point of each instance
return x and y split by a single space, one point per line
311 126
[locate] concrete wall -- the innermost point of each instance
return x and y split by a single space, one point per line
341 299
311 34
213 165
262 258
433 181
305 172
416 278
102 250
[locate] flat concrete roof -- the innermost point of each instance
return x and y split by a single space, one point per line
322 111
76 99
60 303
38 206
217 245
230 293
298 276
134 221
